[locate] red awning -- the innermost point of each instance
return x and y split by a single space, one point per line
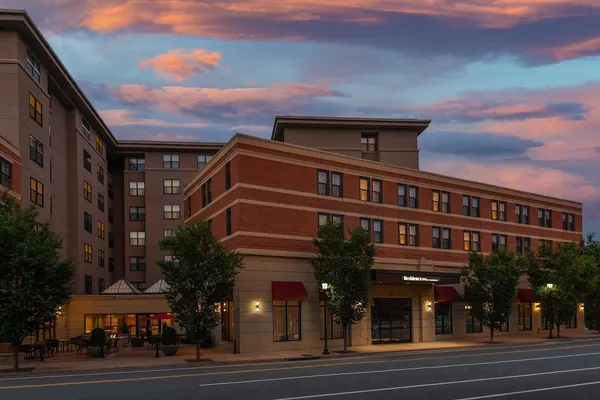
446 294
525 296
285 291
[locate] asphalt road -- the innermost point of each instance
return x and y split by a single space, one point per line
549 371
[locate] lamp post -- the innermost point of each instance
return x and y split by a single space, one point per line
324 286
550 286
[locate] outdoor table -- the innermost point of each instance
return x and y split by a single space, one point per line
64 343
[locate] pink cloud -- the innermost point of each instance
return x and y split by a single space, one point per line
179 65
128 118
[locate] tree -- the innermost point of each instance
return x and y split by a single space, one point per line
490 286
200 275
345 265
591 247
561 278
35 280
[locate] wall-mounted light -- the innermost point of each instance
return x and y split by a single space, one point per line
581 307
59 312
428 306
257 306
538 306
324 285
468 307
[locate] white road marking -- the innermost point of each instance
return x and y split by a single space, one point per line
424 385
291 378
491 396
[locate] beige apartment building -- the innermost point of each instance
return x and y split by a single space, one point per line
113 200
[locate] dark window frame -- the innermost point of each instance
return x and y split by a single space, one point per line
171 188
376 196
140 263
402 199
322 187
137 215
36 151
228 176
414 243
87 222
171 161
101 229
436 242
415 198
466 208
436 204
445 329
362 191
36 110
85 127
447 243
87 160
6 172
522 318
209 198
368 220
379 233
467 240
34 67
88 285
35 195
137 164
100 173
101 202
172 214
87 191
228 228
287 319
88 255
101 255
445 205
369 142
337 190
475 206
471 323
138 189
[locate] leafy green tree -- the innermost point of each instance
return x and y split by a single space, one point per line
562 278
200 275
345 265
35 280
591 247
490 286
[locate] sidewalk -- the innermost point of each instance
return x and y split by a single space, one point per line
142 358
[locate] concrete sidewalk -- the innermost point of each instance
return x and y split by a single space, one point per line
142 358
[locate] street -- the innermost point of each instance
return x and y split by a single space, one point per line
555 370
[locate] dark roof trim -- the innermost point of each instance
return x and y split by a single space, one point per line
282 122
132 146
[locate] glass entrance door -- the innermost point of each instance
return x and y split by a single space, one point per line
391 321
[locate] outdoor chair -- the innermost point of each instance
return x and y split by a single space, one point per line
115 345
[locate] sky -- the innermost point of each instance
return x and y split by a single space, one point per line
512 86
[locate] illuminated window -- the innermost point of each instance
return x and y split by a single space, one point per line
137 238
35 109
36 194
364 189
99 145
87 191
100 226
171 186
172 211
87 253
137 188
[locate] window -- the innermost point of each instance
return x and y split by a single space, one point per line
495 241
474 325
338 219
364 189
401 195
170 161
519 246
322 219
137 263
322 182
111 264
435 200
524 316
136 213
209 222
209 191
548 214
466 208
36 194
369 142
443 318
87 222
137 238
467 240
99 145
101 258
365 223
571 321
171 211
168 233
436 234
503 241
544 218
526 215
377 231
87 161
5 173
137 188
336 184
100 285
111 215
34 67
475 245
413 201
111 191
100 226
87 191
86 128
494 209
137 164
413 235
568 222
526 245
334 330
88 284
519 214
286 321
202 160
228 221
228 176
445 202
100 174
36 151
35 109
446 238
502 211
376 191
572 222
171 186
203 188
189 207
546 243
402 234
475 206
111 240
87 253
101 202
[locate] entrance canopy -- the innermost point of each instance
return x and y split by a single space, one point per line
446 294
525 296
289 291
121 287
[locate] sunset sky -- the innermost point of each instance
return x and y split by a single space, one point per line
512 86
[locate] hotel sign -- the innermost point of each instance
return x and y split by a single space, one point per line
412 278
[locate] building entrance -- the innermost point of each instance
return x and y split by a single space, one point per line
391 321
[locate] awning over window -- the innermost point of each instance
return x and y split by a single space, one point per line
446 294
289 291
525 296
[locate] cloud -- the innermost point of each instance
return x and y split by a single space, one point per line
475 145
179 65
252 128
128 118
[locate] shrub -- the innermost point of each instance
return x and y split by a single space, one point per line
98 338
169 336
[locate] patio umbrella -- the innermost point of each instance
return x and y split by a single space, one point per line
160 316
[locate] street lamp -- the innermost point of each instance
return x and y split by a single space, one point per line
325 286
550 286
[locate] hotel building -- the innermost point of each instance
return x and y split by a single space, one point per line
112 201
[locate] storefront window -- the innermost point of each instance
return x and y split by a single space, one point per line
443 318
139 325
545 323
334 330
473 324
227 321
286 321
571 323
525 316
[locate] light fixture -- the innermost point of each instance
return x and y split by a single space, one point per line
324 285
428 306
581 307
550 285
538 306
257 306
468 307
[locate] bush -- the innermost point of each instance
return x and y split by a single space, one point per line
98 338
169 336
